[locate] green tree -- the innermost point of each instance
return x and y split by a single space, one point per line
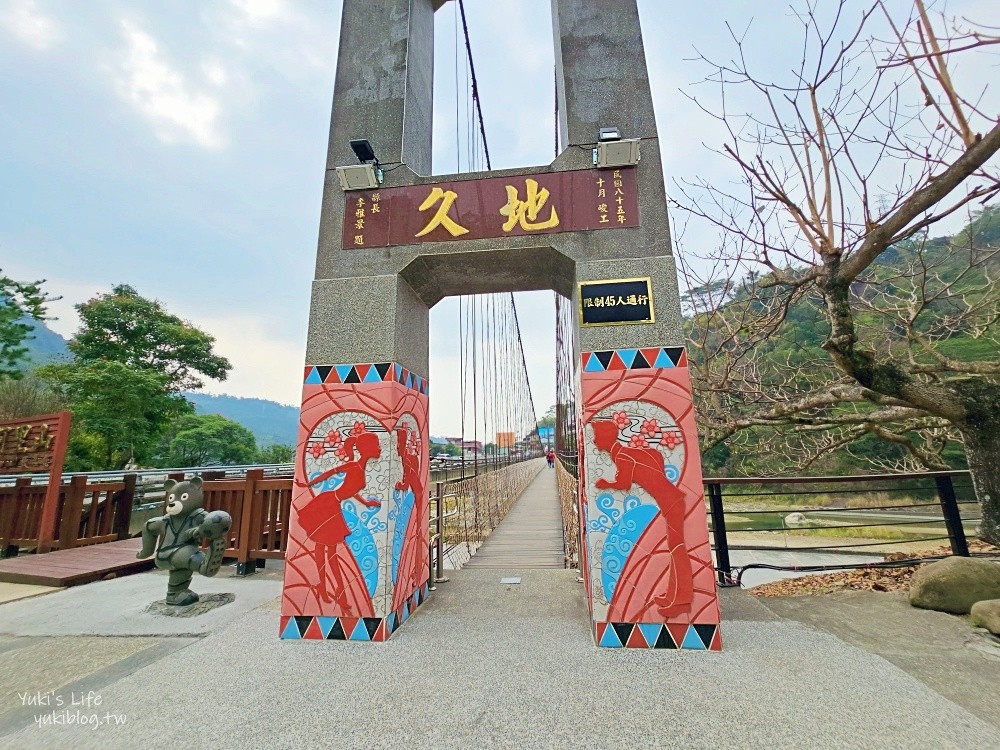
207 440
125 327
27 397
18 300
549 418
118 412
132 360
276 454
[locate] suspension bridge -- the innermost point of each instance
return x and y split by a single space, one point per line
627 509
547 567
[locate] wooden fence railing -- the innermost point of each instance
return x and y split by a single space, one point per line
87 513
92 512
96 512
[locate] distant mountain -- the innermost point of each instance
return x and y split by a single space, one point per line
45 345
269 421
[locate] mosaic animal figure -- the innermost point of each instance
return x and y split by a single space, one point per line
177 536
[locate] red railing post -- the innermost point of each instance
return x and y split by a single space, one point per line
124 499
244 565
10 506
72 512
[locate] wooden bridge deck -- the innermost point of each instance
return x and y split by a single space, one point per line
72 567
531 535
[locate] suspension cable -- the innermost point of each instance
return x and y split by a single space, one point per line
475 84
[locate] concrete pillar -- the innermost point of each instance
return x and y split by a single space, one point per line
356 559
357 532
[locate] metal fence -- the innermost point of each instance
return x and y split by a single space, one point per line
568 489
873 513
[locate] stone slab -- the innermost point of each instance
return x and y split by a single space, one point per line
942 651
119 607
10 592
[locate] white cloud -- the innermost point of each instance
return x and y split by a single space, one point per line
215 73
161 94
259 10
265 365
23 19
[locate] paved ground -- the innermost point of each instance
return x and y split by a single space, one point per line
118 607
12 591
480 665
484 665
941 650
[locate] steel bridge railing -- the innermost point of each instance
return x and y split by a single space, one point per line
926 509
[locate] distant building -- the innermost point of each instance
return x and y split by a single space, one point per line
547 435
467 446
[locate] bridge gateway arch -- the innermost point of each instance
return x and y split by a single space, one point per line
356 562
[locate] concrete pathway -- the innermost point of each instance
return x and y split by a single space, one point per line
10 592
480 665
531 536
941 650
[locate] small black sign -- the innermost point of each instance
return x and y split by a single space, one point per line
616 302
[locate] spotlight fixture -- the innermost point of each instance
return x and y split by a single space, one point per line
614 151
362 149
363 176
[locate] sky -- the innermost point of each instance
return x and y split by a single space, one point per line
180 147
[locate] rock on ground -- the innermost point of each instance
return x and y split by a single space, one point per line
986 614
955 584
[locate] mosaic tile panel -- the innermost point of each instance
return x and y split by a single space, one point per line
697 636
330 628
377 372
634 359
357 549
647 560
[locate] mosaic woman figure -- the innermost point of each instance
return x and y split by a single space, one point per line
644 466
322 519
410 560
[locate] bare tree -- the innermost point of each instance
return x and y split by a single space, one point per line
842 170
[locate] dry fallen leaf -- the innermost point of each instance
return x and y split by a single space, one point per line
862 579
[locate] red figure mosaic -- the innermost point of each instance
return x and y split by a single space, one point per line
647 561
322 519
637 464
354 565
411 562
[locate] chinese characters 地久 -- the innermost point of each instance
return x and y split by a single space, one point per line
441 217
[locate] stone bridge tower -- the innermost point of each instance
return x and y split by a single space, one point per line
596 233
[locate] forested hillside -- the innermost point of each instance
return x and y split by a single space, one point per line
270 422
925 300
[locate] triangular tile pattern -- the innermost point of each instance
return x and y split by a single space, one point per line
376 629
698 636
634 359
314 632
366 372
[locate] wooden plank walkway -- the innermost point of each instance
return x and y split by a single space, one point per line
531 535
72 567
